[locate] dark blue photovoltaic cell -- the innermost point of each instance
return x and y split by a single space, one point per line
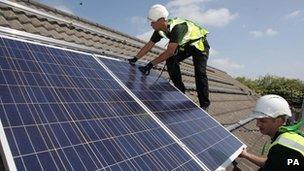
62 111
202 134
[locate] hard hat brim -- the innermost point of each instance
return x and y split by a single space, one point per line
257 115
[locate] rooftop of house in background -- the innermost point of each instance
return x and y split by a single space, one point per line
230 100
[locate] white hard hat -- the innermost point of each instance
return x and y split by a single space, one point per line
271 106
157 11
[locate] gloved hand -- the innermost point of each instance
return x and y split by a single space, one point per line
132 61
146 69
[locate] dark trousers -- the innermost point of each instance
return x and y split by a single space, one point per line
200 64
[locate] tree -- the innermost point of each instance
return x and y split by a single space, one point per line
291 89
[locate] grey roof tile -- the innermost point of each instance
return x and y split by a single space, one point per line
43 31
23 19
69 32
59 29
85 35
8 14
3 21
28 27
87 43
15 24
48 26
55 35
36 22
95 38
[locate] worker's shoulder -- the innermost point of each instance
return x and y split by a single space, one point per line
180 26
283 151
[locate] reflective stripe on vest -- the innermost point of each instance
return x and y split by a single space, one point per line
195 32
291 140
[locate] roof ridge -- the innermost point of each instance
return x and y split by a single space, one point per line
38 4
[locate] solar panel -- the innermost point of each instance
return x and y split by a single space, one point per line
205 137
61 110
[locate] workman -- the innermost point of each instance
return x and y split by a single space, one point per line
186 39
286 151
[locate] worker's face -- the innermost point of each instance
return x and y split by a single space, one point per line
157 25
269 126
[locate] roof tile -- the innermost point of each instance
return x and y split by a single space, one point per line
36 22
9 15
23 19
15 24
3 21
28 27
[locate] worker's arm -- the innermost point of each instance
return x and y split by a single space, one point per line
144 50
166 54
260 161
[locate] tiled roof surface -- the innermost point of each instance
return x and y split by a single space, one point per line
230 100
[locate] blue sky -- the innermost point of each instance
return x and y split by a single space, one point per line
249 38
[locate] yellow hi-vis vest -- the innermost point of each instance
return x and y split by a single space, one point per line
290 140
195 32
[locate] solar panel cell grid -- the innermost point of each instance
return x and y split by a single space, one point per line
61 110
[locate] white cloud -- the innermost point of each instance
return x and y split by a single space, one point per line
195 10
256 33
225 64
293 14
271 32
219 18
65 9
267 32
177 3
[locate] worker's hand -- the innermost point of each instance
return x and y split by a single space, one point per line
132 61
146 69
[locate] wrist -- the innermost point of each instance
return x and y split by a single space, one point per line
150 65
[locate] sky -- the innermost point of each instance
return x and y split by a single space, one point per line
250 38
